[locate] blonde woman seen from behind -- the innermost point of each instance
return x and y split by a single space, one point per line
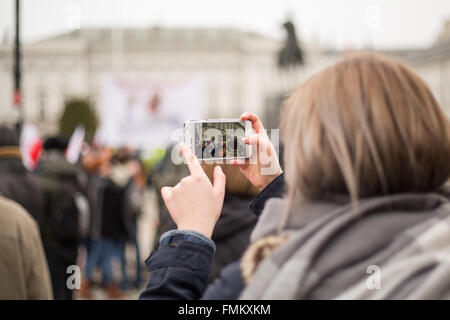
366 209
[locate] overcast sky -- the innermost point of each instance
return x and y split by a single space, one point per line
338 23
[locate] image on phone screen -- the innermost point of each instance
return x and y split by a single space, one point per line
219 140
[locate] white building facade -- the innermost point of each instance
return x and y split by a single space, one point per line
239 69
236 67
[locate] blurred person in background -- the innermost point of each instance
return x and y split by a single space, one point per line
367 160
165 173
23 267
16 182
60 181
134 199
119 206
113 204
92 161
236 222
97 165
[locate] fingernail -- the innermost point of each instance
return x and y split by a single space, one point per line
165 191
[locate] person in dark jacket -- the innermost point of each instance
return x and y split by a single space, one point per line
121 206
367 203
165 173
60 182
97 164
16 183
109 192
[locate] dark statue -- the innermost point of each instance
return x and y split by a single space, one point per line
291 54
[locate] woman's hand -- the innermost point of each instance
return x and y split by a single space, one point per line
194 203
263 166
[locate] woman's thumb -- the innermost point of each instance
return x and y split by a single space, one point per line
219 180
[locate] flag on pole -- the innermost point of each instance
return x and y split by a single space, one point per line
30 146
75 144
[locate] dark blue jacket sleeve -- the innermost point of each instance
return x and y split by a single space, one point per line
179 268
275 189
228 286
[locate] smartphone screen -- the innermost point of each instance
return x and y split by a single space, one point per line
219 140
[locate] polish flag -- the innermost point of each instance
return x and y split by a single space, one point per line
30 146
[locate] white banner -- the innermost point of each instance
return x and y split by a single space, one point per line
143 115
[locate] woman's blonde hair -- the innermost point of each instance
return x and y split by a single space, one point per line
363 127
366 126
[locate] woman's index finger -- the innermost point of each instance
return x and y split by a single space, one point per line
191 160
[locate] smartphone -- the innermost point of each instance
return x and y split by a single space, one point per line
218 139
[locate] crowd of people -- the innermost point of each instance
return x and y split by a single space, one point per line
86 215
114 190
362 187
90 207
